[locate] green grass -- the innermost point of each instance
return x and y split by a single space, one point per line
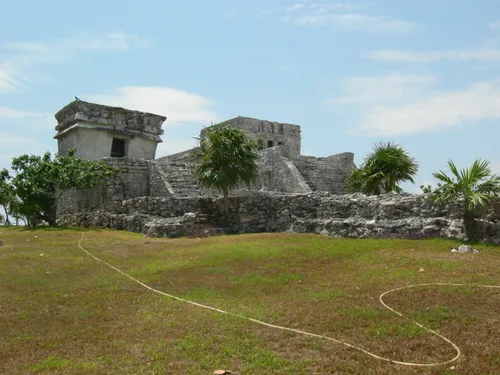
65 313
50 363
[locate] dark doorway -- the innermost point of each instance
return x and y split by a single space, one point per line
118 148
270 144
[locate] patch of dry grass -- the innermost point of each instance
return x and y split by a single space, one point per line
64 313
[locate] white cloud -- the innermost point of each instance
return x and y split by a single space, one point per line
37 120
8 139
173 146
494 25
233 14
408 56
391 111
418 190
111 41
357 21
339 15
8 82
397 88
285 68
495 167
178 106
294 7
21 57
14 114
308 153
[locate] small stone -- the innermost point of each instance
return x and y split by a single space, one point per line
421 270
454 250
465 249
189 217
221 372
370 224
41 255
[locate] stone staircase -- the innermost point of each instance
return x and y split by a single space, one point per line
180 177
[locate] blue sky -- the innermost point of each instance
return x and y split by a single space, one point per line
424 74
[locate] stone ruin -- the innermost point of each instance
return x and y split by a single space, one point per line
124 137
294 193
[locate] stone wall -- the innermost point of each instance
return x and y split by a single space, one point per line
355 216
131 182
326 174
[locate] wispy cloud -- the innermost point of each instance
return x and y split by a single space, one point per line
294 7
20 57
397 88
495 167
172 146
112 41
285 67
178 106
35 120
8 81
409 56
424 183
8 139
233 13
494 25
343 16
412 104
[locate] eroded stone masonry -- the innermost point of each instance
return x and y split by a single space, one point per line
294 193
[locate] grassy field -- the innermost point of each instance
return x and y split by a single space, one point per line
62 312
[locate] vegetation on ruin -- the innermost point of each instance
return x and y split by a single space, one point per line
65 313
31 192
383 170
227 158
475 186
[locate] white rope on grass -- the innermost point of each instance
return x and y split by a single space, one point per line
381 299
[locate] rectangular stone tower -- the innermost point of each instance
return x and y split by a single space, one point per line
267 133
97 131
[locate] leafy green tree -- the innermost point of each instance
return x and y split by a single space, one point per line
383 170
227 158
38 178
475 185
6 194
14 210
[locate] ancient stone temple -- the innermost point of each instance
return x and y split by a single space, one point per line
97 131
128 139
267 133
294 193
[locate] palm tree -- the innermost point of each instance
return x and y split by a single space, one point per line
383 170
227 159
474 185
